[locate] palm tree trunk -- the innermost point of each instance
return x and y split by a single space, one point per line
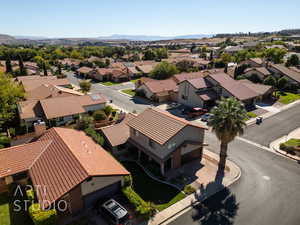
223 155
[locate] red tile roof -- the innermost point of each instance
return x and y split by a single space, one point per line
187 76
159 86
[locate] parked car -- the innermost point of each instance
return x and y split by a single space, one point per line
114 213
194 112
206 117
173 105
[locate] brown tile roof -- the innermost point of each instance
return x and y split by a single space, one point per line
208 95
199 83
287 72
32 82
159 125
118 134
50 91
30 109
260 89
70 105
84 69
235 88
261 70
158 86
187 76
20 158
257 60
70 158
146 68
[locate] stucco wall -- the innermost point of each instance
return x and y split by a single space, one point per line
98 183
187 95
94 107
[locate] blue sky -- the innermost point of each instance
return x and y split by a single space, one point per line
92 18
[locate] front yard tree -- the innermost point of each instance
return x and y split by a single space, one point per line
227 122
8 65
10 94
85 86
293 60
163 70
21 66
282 83
270 80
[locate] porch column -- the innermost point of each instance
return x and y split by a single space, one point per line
162 168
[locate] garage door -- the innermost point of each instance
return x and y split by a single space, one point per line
105 192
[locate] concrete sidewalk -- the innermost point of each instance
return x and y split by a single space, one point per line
269 114
231 175
275 144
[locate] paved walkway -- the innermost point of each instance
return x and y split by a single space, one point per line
275 144
211 159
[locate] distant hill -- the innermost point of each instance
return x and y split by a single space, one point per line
151 38
6 39
30 37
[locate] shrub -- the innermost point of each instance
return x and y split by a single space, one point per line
30 195
108 110
99 115
39 217
113 113
127 181
94 135
188 189
146 209
84 122
5 141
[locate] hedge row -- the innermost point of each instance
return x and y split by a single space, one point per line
94 135
146 209
40 217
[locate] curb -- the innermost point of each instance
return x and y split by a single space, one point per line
194 203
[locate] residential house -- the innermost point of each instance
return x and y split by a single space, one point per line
84 71
279 70
165 139
254 62
66 163
117 135
233 49
72 64
109 74
204 91
59 110
159 90
32 68
261 72
145 67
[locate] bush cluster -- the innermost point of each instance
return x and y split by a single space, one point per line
94 135
146 209
99 115
40 217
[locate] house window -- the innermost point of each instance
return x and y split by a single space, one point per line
151 143
135 133
171 145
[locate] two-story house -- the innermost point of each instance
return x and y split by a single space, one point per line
166 139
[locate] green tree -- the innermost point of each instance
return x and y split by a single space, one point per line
22 69
282 83
99 115
8 65
10 94
149 54
163 70
275 54
270 80
185 65
227 122
293 60
75 55
85 86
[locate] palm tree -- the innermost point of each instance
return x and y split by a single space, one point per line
227 121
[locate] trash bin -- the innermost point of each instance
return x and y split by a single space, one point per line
259 120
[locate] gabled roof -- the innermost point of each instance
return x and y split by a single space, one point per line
118 134
60 160
239 91
199 83
159 125
159 86
84 69
32 82
261 70
187 76
70 105
260 89
287 72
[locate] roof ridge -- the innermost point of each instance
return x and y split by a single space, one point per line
45 148
59 128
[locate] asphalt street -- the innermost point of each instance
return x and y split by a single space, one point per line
266 194
112 93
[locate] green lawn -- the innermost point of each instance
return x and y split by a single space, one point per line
251 115
293 142
287 97
162 195
109 83
8 214
130 92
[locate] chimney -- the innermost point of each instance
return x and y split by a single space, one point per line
39 128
